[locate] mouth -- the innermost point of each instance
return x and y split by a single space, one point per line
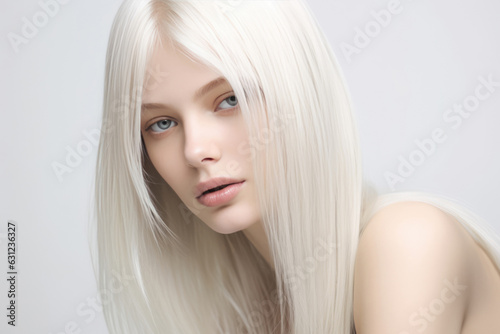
217 188
220 195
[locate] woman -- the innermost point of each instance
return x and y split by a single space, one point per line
229 185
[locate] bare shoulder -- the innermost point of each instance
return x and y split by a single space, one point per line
411 272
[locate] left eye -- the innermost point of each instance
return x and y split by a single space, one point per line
231 102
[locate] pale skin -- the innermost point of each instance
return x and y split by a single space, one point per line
193 146
417 270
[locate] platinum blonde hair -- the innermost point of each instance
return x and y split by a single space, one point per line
303 140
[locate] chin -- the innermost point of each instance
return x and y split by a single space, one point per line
231 223
233 218
228 227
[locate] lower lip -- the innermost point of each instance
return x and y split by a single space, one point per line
221 196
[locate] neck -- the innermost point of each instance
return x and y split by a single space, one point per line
257 236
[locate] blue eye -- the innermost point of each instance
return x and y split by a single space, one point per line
165 124
162 125
232 102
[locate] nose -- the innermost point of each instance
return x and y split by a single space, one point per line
201 146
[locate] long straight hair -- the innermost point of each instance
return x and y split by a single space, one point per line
186 278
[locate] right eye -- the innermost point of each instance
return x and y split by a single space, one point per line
161 126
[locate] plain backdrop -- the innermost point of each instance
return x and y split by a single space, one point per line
405 72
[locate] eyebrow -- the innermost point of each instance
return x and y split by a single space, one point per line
197 95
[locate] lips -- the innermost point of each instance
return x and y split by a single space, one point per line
216 188
213 185
223 196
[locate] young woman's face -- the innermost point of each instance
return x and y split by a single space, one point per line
192 127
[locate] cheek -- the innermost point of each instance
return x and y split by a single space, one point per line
239 137
164 160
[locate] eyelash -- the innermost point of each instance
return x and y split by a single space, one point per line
157 133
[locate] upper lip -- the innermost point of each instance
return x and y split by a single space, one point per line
212 183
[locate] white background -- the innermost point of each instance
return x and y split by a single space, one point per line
427 58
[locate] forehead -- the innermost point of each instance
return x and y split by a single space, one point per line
171 73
